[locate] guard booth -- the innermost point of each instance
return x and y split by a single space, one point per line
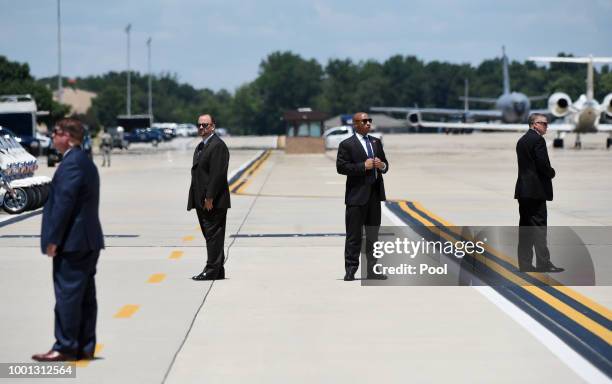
304 129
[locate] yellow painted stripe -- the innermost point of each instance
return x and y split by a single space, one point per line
176 255
188 238
251 174
431 214
156 278
127 311
594 306
595 328
248 173
568 311
85 363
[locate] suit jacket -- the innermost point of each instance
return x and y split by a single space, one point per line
351 162
534 171
209 175
70 216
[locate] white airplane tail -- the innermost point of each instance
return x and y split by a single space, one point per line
582 60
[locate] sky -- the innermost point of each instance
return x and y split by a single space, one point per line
220 43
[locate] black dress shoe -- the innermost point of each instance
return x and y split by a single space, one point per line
528 268
85 356
350 276
550 267
208 276
53 356
375 276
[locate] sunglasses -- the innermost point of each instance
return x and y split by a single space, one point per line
204 125
544 123
365 121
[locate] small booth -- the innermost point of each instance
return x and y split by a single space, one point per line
304 129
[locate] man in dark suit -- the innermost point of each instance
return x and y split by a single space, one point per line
362 159
533 188
210 196
72 235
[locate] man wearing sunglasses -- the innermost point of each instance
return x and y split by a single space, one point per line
72 236
209 195
533 188
362 159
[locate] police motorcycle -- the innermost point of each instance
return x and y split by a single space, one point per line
20 189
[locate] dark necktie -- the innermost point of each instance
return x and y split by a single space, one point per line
371 177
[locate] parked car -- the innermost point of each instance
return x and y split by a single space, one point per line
144 135
334 136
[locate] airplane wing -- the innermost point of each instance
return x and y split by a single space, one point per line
604 127
495 126
489 100
487 113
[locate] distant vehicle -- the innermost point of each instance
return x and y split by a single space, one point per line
221 131
18 113
117 134
144 135
169 129
54 156
165 133
334 136
186 130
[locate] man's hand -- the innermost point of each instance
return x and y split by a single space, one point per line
378 164
208 204
369 164
51 250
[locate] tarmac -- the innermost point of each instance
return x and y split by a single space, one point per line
284 313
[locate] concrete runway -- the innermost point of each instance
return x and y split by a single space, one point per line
284 313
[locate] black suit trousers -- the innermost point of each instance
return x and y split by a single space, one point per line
532 233
76 307
358 216
212 224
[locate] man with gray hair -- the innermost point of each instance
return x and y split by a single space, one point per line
533 188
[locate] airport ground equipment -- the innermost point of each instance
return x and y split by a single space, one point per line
20 189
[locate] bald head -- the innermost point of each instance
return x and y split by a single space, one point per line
362 123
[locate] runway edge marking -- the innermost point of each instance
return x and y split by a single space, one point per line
590 364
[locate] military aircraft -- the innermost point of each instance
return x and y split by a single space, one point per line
510 107
582 116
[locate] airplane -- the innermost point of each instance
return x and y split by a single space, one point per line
510 107
582 116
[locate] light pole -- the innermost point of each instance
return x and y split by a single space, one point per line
60 89
129 85
149 68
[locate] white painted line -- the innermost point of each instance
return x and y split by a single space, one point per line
558 347
571 358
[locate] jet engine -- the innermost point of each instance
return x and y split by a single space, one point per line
414 119
559 103
607 105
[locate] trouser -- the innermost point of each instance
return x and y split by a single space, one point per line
212 224
76 307
356 217
532 233
106 156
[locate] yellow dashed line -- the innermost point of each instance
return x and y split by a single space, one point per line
188 238
127 311
156 278
176 255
